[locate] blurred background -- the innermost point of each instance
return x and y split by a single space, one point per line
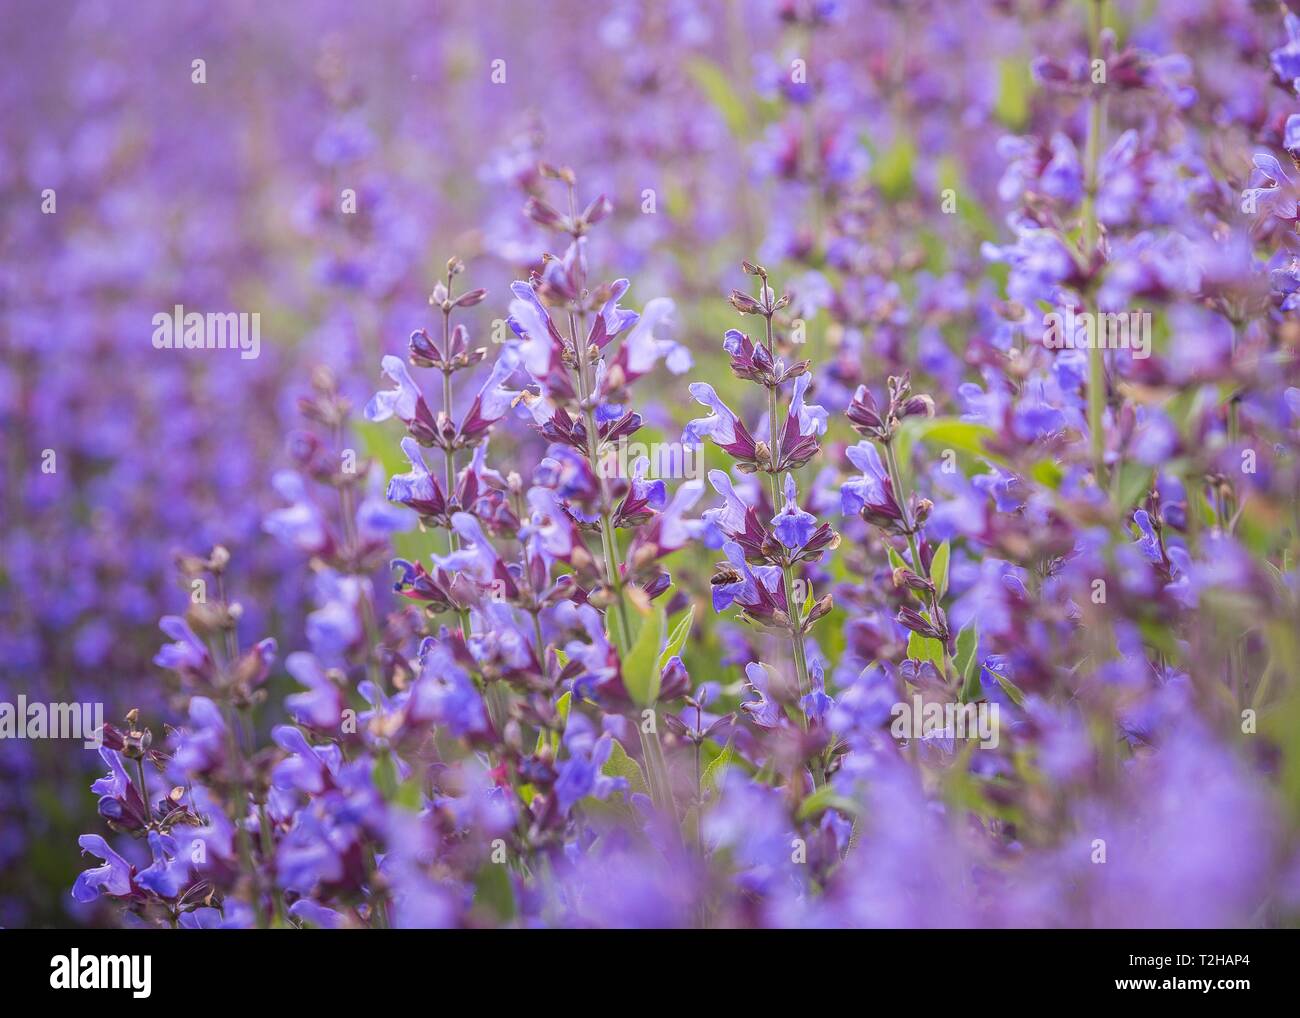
199 154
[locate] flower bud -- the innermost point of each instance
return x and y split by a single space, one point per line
744 303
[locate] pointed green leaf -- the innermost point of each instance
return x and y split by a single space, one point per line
716 85
893 168
493 890
827 798
678 640
641 666
620 765
1013 691
922 648
562 706
1134 482
1015 85
709 779
939 569
951 433
967 642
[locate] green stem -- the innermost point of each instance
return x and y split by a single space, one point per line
268 840
896 479
793 609
1096 355
787 572
144 790
621 628
241 814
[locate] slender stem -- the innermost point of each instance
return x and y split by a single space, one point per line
448 454
1236 645
656 766
540 642
449 459
787 572
268 840
235 753
699 785
1096 355
144 790
793 609
241 814
896 479
1234 427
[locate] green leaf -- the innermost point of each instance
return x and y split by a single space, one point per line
922 648
408 794
896 560
709 779
620 765
678 640
716 86
562 706
1014 86
383 443
492 889
641 666
951 433
1134 482
1048 473
967 642
893 169
971 689
827 798
939 569
1010 688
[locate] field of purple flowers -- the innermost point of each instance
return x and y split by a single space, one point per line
769 463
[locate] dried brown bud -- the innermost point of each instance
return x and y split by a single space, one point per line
744 303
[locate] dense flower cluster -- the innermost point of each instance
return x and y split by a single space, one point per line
954 582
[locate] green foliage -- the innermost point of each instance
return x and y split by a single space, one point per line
641 671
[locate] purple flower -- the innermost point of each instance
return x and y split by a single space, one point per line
1286 58
168 874
762 710
651 341
187 655
405 402
417 489
493 401
757 591
445 694
816 704
722 426
872 494
112 878
1274 192
792 526
321 707
580 775
299 525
